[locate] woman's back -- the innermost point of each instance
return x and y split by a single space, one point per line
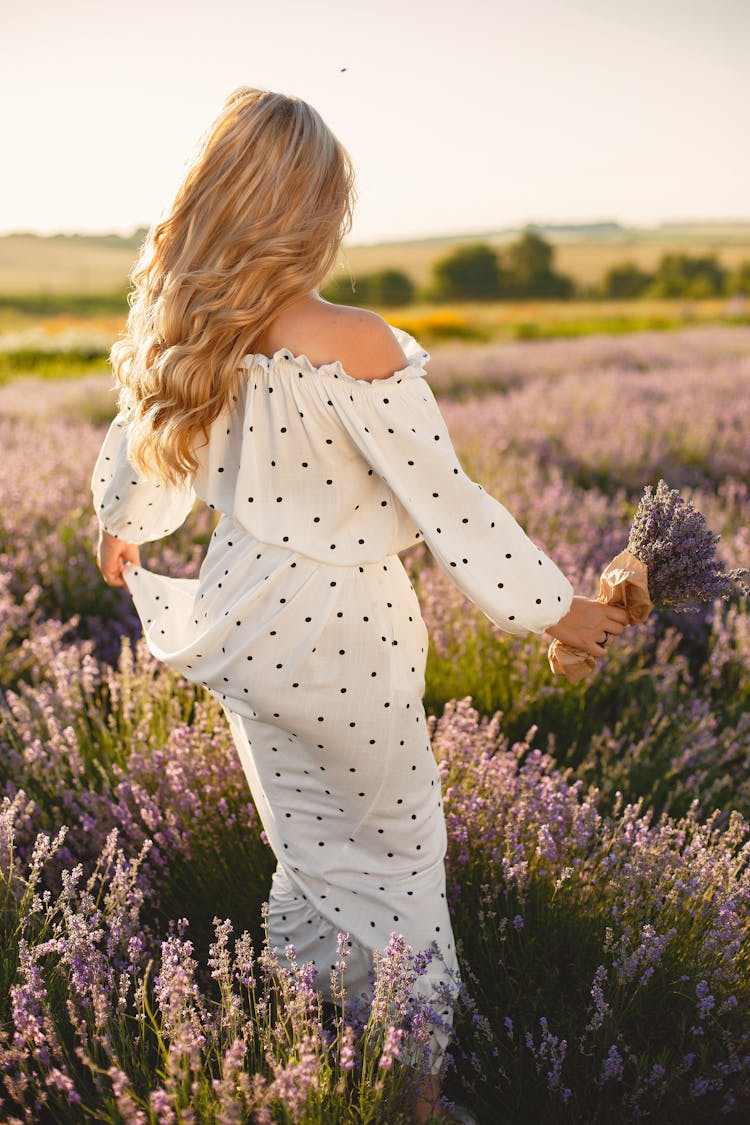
359 339
344 470
288 462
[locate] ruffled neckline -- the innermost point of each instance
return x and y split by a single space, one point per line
415 354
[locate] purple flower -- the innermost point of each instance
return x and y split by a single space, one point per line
346 1054
706 1002
601 1007
125 1098
161 1105
391 1047
292 1082
62 1081
612 1067
395 975
670 536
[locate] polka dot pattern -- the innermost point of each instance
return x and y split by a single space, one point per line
304 623
346 472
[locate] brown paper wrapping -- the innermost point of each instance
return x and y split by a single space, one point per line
624 582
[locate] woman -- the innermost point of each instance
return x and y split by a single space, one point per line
310 428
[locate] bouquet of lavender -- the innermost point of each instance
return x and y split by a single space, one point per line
670 562
672 539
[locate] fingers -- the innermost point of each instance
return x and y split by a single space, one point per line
591 648
590 625
113 577
617 615
615 622
612 622
112 555
614 628
111 568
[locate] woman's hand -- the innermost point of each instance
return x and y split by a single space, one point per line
588 625
112 554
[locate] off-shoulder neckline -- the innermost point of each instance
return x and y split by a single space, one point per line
415 354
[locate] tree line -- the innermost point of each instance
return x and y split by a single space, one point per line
525 269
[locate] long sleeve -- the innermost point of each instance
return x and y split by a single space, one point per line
128 505
399 429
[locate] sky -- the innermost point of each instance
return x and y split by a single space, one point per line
460 117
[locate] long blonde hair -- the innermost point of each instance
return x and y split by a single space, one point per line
255 225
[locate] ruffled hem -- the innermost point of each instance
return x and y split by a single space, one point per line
415 354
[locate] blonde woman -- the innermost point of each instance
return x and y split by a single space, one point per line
311 431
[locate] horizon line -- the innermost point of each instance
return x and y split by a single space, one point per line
533 224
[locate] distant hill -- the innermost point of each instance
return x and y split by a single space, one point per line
100 263
133 240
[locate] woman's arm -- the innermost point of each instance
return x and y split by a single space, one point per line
402 434
131 508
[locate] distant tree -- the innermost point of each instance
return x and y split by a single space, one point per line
528 270
680 275
385 287
390 287
345 291
739 279
528 258
625 280
469 273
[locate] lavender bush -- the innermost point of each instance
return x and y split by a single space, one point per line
598 833
101 1018
599 913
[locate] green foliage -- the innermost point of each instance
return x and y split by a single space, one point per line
469 273
594 326
529 257
738 281
625 281
477 272
680 275
528 272
346 291
387 288
67 304
51 363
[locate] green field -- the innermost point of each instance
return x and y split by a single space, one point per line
63 299
82 264
58 347
585 256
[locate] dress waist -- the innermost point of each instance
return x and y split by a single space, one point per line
229 535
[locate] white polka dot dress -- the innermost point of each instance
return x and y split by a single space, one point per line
305 625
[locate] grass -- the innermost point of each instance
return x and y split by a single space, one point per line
538 320
89 264
44 340
51 364
78 304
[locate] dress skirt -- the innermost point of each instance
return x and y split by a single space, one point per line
326 712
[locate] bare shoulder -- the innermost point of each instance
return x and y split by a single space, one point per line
361 340
366 344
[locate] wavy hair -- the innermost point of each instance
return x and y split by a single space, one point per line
255 225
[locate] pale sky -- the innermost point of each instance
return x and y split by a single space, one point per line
460 117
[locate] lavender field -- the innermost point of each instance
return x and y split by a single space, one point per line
599 842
